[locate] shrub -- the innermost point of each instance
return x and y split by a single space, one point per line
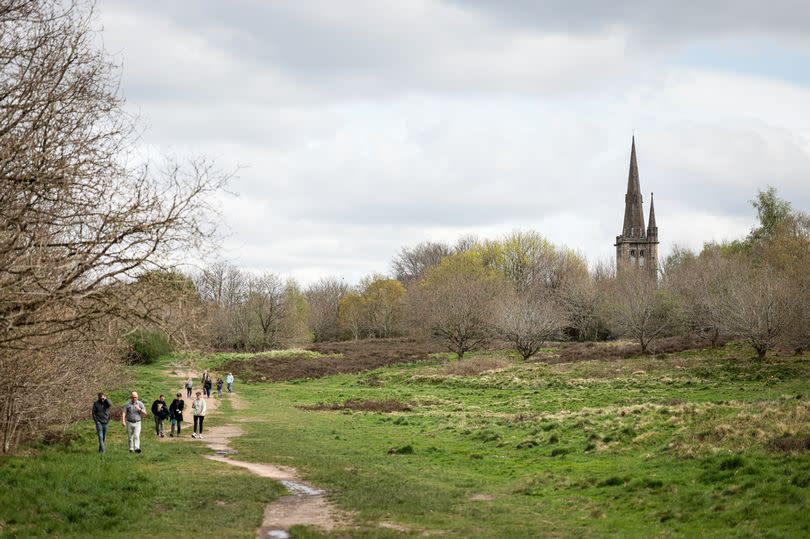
146 345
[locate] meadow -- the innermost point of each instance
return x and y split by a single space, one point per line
693 443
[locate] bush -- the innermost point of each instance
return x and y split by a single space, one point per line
146 345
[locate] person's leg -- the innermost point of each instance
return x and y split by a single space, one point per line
202 418
160 427
196 422
178 427
229 388
157 426
136 436
104 437
99 430
131 436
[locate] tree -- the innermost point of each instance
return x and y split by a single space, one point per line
757 304
411 263
352 315
696 282
80 217
527 323
455 302
642 311
266 297
324 301
383 300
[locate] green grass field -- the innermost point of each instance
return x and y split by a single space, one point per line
708 443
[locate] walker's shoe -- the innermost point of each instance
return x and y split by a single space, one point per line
171 435
161 435
193 434
200 436
137 450
131 450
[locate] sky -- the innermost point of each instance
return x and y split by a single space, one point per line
360 127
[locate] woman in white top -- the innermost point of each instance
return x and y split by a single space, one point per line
198 407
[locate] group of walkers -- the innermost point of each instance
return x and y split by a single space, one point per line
207 384
134 412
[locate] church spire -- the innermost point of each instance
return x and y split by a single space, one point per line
652 227
633 211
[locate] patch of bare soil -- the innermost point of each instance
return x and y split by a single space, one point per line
386 406
586 351
341 358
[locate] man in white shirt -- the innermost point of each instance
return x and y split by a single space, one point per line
134 411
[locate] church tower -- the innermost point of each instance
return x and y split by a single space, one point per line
637 246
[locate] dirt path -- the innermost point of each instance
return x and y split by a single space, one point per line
306 504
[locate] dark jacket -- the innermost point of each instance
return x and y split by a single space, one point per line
164 413
219 383
101 411
207 383
176 409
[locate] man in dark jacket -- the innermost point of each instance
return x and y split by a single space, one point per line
176 413
160 411
101 415
207 386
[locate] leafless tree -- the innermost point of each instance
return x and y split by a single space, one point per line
265 301
79 217
528 322
641 310
697 282
324 302
411 263
758 304
583 301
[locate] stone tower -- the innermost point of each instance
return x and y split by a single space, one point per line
637 246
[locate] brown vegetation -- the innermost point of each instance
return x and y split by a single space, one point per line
385 406
591 351
352 356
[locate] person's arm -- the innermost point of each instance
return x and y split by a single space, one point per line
124 416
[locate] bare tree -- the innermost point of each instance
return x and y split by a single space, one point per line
697 282
78 221
324 302
642 311
758 304
412 262
265 302
527 323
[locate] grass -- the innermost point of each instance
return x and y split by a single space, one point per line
682 445
699 443
168 490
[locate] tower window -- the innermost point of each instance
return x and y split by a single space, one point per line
641 258
632 256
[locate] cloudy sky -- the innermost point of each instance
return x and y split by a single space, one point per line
361 126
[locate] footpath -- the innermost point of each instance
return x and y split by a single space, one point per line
305 505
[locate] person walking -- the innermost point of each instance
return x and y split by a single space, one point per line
229 381
219 386
207 387
199 407
160 412
176 413
189 385
101 415
134 411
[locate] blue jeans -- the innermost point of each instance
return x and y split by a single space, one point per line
101 429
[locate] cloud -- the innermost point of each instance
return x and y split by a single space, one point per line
363 127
